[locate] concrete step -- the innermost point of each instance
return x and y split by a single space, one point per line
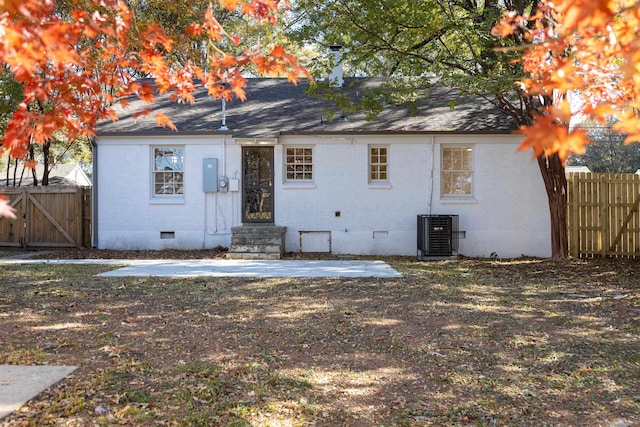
255 256
255 248
249 239
259 229
257 241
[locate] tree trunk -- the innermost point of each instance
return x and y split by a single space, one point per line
555 182
32 156
15 172
47 160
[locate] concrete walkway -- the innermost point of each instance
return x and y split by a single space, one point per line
19 384
231 268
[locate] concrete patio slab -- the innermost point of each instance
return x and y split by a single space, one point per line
19 384
262 268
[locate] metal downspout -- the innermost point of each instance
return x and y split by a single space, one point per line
94 193
433 152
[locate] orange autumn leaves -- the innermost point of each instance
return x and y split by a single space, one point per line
584 56
76 65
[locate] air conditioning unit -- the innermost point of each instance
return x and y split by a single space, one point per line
437 236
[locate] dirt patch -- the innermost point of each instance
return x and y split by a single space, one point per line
89 253
468 342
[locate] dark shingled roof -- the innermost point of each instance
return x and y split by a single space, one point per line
275 106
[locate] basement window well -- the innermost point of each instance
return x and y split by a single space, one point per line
167 234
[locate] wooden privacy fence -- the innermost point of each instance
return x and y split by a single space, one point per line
603 214
47 217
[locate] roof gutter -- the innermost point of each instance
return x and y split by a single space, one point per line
163 133
402 132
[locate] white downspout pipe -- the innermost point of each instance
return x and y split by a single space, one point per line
94 193
433 151
224 115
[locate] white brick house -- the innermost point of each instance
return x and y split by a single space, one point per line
346 186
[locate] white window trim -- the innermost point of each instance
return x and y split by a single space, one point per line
381 186
166 199
298 186
293 182
450 200
378 183
459 198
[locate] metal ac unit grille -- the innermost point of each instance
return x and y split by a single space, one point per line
437 235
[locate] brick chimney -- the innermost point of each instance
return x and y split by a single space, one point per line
336 73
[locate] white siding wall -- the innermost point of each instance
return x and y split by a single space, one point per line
129 217
507 216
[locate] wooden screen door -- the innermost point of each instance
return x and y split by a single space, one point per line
257 184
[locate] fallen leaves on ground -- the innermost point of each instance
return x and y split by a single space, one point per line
467 342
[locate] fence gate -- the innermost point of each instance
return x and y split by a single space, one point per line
47 217
603 214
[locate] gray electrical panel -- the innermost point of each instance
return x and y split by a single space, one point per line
210 175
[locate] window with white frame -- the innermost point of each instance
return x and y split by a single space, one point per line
457 171
168 170
378 164
299 163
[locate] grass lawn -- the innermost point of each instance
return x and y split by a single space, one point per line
468 342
